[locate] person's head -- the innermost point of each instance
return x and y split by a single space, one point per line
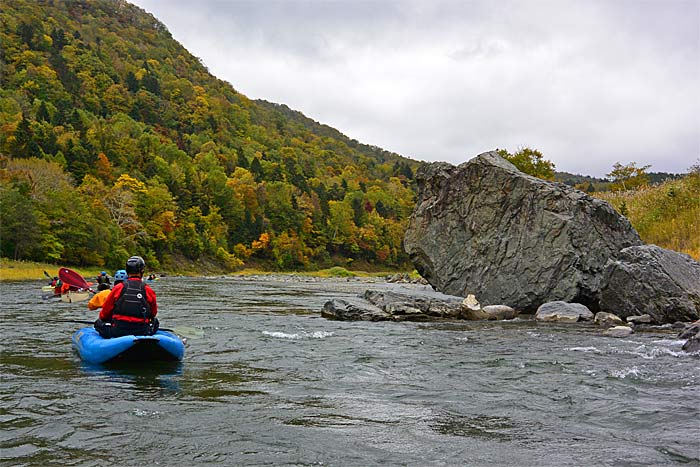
102 287
120 276
103 273
135 266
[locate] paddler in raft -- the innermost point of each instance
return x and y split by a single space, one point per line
103 278
103 291
62 288
130 307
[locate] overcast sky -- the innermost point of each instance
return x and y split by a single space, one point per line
588 83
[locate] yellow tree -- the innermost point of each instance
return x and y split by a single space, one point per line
628 177
530 161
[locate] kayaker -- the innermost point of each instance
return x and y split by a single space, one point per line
58 286
103 278
131 307
103 291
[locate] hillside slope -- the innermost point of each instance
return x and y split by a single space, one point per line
115 140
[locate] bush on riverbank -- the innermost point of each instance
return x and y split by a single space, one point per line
667 215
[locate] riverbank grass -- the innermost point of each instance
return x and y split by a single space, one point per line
11 270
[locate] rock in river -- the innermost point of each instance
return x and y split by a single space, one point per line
563 312
391 306
485 228
651 280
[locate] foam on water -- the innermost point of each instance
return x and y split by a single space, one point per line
650 353
298 336
145 413
625 372
584 349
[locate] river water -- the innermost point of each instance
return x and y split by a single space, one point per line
273 383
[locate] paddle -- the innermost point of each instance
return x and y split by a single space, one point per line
73 279
184 331
47 275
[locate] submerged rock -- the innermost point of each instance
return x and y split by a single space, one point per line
563 312
690 330
651 280
692 333
486 228
618 331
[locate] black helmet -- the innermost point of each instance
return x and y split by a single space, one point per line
135 265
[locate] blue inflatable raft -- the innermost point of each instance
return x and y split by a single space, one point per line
162 346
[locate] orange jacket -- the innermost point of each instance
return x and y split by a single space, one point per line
98 299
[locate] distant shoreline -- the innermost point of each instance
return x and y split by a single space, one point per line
11 270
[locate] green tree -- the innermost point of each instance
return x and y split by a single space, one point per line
23 143
628 177
531 162
19 229
132 83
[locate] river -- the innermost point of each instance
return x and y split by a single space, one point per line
273 383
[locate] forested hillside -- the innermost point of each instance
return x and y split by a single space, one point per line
114 140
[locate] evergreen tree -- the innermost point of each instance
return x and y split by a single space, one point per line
24 145
256 169
43 113
58 38
132 84
26 33
242 160
150 84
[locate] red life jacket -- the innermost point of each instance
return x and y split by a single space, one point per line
132 306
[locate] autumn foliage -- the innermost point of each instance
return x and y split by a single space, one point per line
114 140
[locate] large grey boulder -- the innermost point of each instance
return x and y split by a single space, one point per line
485 228
651 280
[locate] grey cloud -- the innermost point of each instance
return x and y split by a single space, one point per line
587 82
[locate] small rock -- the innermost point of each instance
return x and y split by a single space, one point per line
690 331
402 309
642 319
499 312
474 315
471 309
693 344
607 319
471 302
618 331
563 312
